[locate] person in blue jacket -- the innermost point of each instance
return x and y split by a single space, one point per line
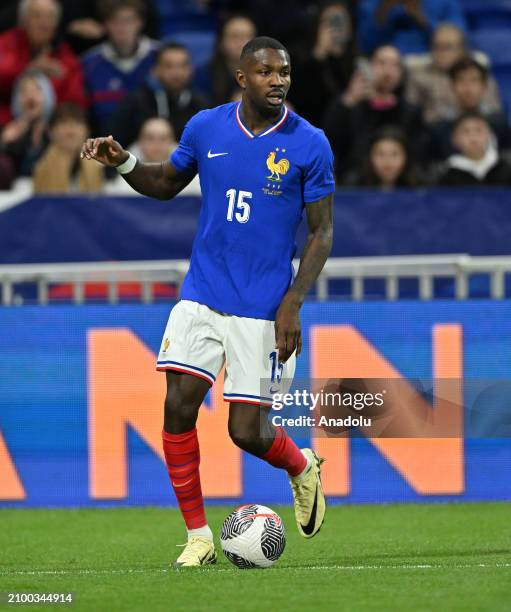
120 64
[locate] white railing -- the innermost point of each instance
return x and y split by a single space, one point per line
424 268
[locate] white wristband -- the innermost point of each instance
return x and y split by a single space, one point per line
128 165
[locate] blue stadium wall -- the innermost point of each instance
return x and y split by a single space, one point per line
45 403
366 223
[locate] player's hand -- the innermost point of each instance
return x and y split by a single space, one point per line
288 330
105 150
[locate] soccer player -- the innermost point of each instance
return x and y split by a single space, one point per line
259 166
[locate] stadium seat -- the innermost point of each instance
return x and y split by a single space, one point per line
487 14
495 43
474 6
502 73
174 24
178 7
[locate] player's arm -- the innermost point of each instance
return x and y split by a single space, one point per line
156 180
288 332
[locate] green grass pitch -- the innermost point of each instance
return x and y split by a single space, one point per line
424 557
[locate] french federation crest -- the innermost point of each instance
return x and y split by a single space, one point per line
276 167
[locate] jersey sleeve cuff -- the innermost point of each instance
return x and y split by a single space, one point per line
314 196
178 164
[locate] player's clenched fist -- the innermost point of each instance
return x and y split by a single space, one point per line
105 150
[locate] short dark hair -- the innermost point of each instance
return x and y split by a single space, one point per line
468 63
262 42
108 8
467 116
67 111
171 46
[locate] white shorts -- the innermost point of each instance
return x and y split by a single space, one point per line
199 340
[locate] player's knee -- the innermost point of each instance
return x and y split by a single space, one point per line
244 435
180 412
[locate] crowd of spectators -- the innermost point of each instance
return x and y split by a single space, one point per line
402 97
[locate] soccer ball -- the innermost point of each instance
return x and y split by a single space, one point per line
253 536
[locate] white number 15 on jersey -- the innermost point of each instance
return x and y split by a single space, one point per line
242 207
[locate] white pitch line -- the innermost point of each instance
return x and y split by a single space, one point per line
349 568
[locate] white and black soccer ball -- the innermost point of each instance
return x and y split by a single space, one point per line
253 536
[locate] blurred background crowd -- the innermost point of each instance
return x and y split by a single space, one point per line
409 92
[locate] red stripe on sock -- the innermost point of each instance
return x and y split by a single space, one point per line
285 454
182 456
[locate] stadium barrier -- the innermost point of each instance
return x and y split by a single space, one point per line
424 269
81 406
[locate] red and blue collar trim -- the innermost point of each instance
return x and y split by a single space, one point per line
273 128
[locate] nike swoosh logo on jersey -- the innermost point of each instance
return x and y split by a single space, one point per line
210 155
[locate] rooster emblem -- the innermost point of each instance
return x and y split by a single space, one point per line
276 168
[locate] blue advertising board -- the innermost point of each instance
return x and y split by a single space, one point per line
81 406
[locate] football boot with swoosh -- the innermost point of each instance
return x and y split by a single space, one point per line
310 505
198 551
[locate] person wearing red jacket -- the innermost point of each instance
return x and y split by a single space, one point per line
32 45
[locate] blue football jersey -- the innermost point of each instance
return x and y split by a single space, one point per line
254 190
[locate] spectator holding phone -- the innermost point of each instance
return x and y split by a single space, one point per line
373 101
25 138
329 65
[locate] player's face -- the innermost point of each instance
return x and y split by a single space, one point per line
265 78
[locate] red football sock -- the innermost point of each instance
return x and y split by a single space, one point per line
285 454
182 457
